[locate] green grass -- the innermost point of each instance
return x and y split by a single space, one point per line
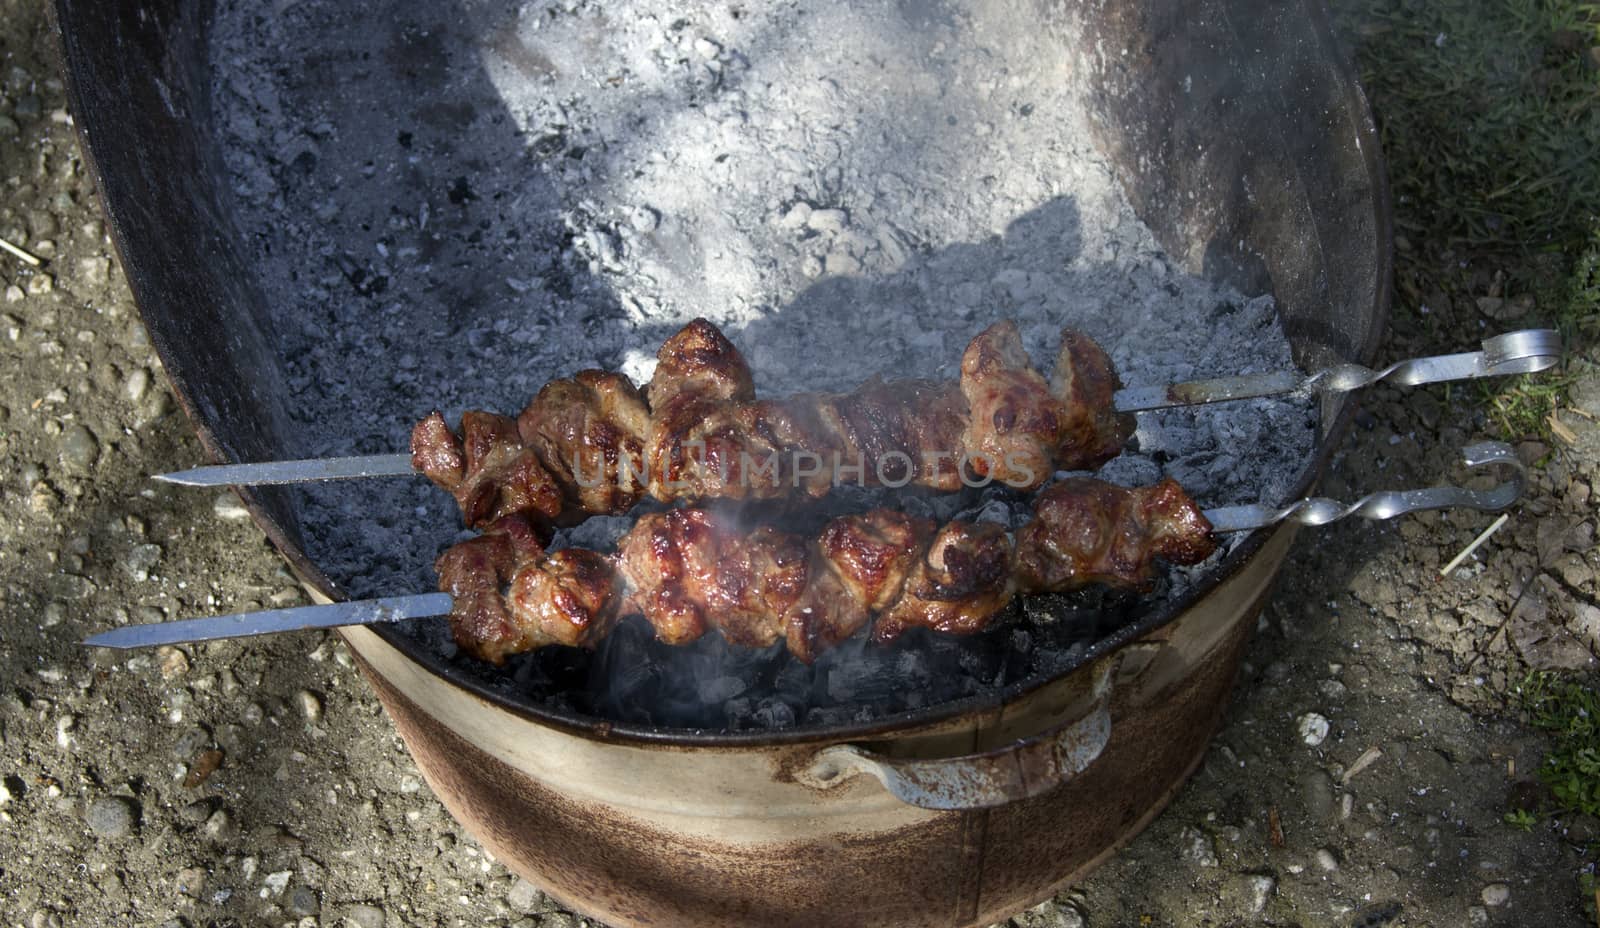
1581 312
1522 819
1522 406
1490 118
1568 708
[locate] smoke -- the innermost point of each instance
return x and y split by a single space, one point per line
709 684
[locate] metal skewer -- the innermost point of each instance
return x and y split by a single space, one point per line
1526 351
269 621
1311 511
1523 352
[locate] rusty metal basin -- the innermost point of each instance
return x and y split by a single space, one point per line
1265 174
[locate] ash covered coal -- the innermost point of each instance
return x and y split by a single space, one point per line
462 201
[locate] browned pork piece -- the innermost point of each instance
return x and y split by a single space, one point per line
595 444
488 469
475 573
693 570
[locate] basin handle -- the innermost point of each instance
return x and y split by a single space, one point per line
1022 769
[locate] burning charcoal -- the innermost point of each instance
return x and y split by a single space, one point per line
600 533
995 511
982 664
740 714
912 669
793 683
365 281
722 689
861 681
623 667
774 713
821 718
1016 655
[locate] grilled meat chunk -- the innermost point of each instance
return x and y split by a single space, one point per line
474 572
699 359
691 570
1020 429
488 470
1088 532
589 432
568 597
960 583
1085 384
1014 424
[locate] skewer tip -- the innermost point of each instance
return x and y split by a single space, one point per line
194 477
104 640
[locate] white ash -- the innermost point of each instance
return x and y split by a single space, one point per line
461 203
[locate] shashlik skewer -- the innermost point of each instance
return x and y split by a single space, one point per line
689 571
596 445
570 586
1521 352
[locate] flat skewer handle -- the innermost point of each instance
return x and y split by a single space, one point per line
1523 352
1318 510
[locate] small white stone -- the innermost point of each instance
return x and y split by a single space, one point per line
227 506
1260 888
173 662
364 916
94 271
1313 729
310 705
1496 894
1196 846
138 383
1326 860
523 896
277 882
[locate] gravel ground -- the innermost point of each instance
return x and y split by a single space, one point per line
259 783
